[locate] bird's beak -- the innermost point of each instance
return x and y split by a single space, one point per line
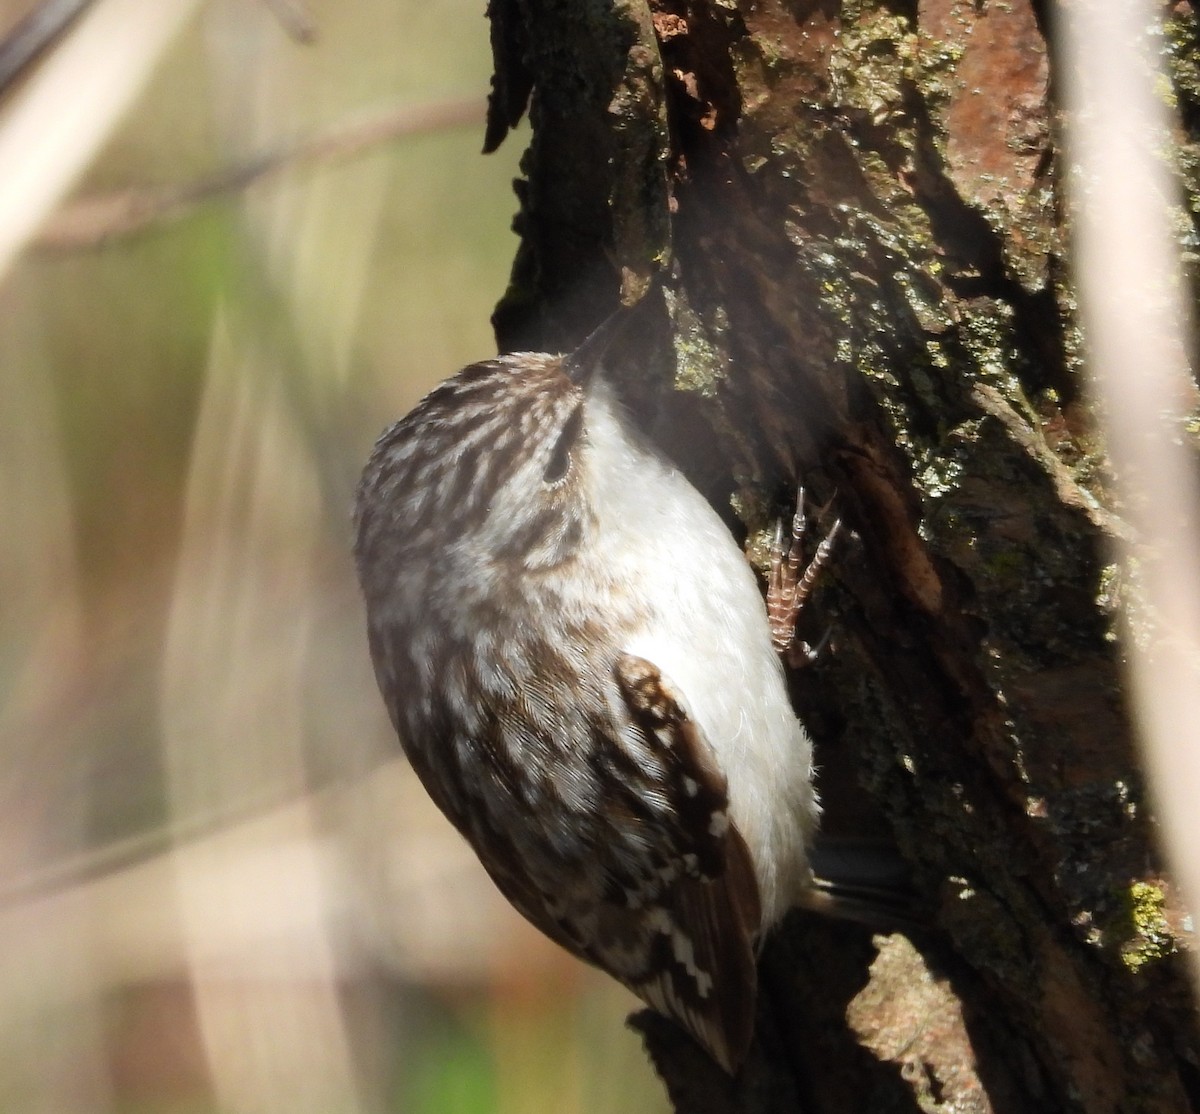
588 358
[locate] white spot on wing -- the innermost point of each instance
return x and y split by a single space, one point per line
682 949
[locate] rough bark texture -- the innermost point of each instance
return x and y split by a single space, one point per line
854 210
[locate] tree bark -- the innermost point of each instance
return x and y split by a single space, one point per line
854 210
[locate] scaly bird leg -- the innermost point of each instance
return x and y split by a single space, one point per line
788 586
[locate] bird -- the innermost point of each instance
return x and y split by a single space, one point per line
576 657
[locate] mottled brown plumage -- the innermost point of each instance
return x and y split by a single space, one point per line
577 661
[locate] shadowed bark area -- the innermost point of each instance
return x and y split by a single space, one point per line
855 213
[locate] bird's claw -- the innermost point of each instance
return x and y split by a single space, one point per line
789 586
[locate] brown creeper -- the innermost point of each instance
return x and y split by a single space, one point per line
577 659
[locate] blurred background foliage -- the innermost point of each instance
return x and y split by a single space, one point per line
219 888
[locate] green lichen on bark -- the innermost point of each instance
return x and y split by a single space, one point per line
701 359
1150 938
874 63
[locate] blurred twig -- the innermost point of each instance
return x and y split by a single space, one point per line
95 220
1135 311
109 858
34 35
50 20
295 18
71 104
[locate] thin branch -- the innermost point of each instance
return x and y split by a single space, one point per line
34 35
42 28
88 865
101 218
70 105
295 18
1138 331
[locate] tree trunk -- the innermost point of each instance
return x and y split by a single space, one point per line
854 210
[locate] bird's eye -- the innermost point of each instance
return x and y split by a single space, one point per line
560 455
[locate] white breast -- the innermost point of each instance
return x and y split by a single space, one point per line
706 630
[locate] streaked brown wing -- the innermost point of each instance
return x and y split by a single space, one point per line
666 899
700 966
702 971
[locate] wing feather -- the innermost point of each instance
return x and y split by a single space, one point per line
656 885
699 963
